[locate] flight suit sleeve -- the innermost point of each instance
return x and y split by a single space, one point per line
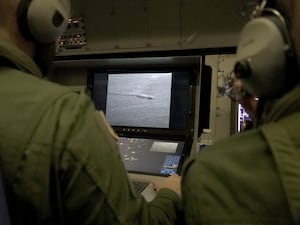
94 185
103 120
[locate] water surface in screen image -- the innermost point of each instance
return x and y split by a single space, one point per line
139 99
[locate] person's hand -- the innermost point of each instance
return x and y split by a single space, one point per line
172 182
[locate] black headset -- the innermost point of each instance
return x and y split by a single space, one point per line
43 20
265 59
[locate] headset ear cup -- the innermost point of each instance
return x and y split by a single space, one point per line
262 53
43 20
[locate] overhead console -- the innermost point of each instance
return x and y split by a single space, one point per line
101 26
74 38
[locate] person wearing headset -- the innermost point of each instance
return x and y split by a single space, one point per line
254 177
59 162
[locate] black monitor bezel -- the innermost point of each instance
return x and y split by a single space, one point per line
191 70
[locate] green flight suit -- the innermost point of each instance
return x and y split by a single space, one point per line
252 178
59 161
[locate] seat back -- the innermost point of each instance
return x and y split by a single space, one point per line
4 216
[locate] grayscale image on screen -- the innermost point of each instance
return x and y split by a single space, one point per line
139 99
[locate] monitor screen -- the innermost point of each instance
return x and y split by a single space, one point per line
149 99
139 99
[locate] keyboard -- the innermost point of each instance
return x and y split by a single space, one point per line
139 186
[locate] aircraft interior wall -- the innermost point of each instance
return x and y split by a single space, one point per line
223 117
